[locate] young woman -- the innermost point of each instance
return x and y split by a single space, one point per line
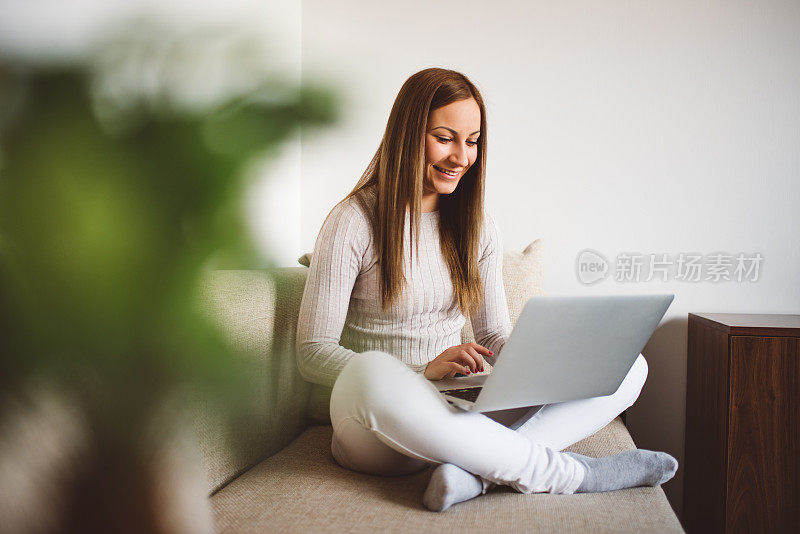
397 267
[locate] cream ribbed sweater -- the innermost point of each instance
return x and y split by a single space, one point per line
340 311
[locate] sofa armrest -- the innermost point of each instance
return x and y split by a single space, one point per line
257 311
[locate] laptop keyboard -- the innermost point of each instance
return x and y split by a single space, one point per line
469 394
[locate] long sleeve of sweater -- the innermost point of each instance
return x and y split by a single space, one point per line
491 323
335 265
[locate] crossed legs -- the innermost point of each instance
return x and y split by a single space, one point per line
388 420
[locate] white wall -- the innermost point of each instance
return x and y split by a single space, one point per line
623 126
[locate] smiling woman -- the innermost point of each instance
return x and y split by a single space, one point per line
374 324
421 197
438 120
449 149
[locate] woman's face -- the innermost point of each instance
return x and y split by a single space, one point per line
451 145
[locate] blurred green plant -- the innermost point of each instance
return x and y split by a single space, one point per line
110 211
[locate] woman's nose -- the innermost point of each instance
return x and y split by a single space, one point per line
459 155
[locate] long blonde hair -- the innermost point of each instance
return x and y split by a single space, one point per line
394 179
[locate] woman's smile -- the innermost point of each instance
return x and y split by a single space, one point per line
447 173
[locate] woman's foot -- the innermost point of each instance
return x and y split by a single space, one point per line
639 467
449 485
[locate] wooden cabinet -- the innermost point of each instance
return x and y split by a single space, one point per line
742 456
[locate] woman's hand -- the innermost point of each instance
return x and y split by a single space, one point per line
465 359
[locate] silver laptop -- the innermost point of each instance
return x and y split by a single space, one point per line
562 348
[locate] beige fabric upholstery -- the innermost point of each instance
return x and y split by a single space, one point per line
302 489
257 311
522 278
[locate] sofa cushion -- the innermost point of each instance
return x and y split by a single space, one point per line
303 489
522 279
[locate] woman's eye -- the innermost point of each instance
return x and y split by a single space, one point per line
447 140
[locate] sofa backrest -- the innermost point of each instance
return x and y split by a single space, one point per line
258 312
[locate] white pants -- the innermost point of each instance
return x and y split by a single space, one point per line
389 420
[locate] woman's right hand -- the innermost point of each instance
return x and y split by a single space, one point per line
464 359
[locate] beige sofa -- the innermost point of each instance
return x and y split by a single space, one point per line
275 473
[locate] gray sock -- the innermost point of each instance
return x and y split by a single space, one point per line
449 485
628 469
